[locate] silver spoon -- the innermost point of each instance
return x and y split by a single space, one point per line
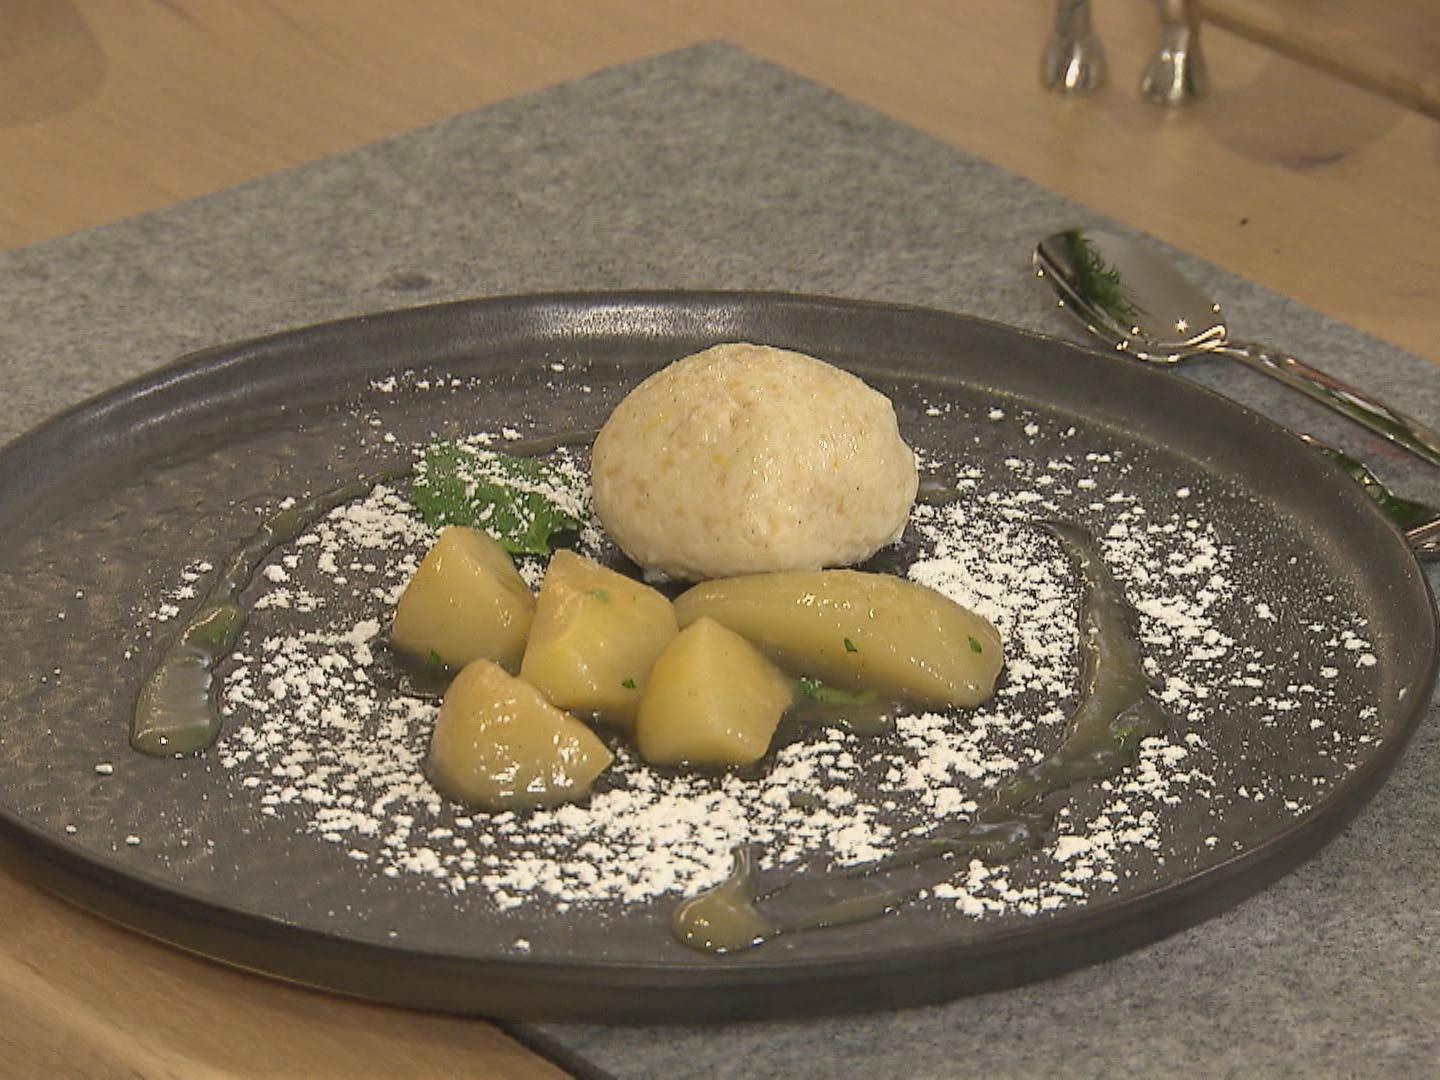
1134 299
1419 522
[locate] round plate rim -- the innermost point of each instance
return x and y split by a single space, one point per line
674 992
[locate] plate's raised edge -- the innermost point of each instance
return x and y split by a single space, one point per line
147 398
146 902
706 991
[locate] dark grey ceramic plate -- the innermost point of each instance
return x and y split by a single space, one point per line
101 508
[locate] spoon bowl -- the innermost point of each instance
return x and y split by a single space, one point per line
1133 298
1143 305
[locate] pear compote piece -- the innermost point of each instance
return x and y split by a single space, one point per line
712 699
465 601
858 631
499 745
595 637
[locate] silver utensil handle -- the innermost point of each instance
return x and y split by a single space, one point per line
1074 59
1424 539
1419 522
1377 417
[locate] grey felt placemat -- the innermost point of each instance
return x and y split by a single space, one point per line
708 168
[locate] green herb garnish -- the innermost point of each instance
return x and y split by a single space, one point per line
600 594
215 627
975 646
850 646
1099 282
628 684
521 501
1405 513
434 660
825 694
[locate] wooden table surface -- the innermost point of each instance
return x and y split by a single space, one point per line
1286 175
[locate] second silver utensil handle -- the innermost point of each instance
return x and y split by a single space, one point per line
1377 417
1424 539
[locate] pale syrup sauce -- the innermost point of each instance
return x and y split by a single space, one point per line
1102 736
176 714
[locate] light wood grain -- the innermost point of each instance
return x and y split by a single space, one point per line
1390 46
110 108
79 997
1299 181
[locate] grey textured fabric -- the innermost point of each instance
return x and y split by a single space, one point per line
710 168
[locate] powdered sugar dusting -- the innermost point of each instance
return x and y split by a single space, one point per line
324 741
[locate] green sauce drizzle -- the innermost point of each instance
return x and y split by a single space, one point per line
1115 714
175 713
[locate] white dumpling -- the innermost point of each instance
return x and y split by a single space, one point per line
744 458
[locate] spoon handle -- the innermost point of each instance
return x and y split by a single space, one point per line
1420 523
1424 539
1402 430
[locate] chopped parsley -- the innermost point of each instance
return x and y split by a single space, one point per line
825 694
628 684
523 502
975 646
1100 282
213 628
850 646
434 660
